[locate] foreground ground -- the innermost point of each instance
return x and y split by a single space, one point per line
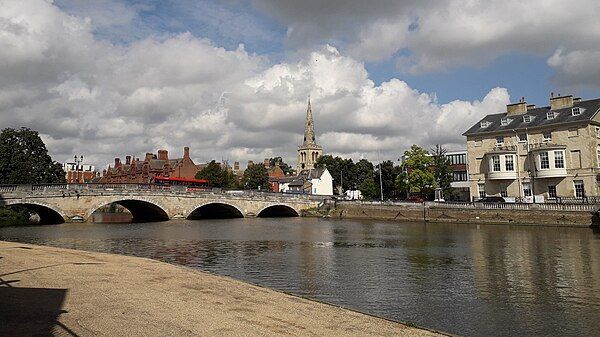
45 290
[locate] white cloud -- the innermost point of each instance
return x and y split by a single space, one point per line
88 96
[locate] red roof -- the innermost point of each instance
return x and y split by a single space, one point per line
181 180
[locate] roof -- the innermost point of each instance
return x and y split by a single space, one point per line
312 173
588 108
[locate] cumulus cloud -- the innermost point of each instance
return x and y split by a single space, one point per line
429 36
92 97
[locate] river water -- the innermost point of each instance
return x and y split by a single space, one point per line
464 279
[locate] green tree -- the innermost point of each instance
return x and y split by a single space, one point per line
14 216
342 171
24 159
287 169
442 172
368 189
416 175
256 177
389 172
216 175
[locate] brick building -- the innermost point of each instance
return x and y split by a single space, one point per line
136 170
78 172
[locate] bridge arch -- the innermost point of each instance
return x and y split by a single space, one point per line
215 210
49 214
277 210
142 210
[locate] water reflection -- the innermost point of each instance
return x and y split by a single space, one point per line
465 279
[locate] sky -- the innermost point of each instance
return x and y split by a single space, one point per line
230 79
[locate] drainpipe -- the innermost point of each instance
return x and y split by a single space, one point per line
531 169
518 167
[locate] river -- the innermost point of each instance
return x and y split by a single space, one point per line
470 280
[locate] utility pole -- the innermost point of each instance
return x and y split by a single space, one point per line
380 181
341 182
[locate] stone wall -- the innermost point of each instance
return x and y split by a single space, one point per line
420 212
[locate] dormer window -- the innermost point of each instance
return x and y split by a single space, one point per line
526 119
499 140
505 121
576 111
550 115
485 124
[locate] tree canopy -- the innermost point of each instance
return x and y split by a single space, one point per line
217 176
287 169
256 177
416 176
24 159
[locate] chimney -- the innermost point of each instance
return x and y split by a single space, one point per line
530 106
250 163
517 108
128 160
236 166
266 163
117 162
149 156
561 102
186 152
576 99
163 155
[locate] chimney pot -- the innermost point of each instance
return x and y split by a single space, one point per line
149 156
186 152
163 155
127 160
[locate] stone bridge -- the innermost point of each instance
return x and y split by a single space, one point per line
76 202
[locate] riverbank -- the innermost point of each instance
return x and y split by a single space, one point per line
511 214
48 290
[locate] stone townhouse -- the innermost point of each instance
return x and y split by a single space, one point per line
546 152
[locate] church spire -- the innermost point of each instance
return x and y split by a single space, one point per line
309 128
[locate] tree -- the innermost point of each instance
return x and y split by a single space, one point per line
368 189
24 159
442 172
342 171
287 169
216 175
389 172
256 177
416 175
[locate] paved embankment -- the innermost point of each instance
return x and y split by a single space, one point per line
514 214
46 290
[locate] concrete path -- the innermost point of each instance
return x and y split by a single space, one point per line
45 291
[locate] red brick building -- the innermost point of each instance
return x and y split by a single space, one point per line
136 170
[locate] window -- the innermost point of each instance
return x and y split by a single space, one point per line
544 162
598 155
505 121
579 190
496 163
547 136
500 140
481 190
559 159
478 143
503 190
576 159
550 115
551 192
509 162
576 111
522 137
527 189
597 132
460 176
574 132
526 119
485 124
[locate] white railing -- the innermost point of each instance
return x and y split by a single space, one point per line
516 206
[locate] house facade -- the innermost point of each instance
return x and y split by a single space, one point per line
536 154
136 170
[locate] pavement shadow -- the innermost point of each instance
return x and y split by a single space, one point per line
30 311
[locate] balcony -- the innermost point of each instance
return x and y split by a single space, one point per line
550 161
551 173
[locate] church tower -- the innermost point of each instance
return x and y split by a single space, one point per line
309 151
